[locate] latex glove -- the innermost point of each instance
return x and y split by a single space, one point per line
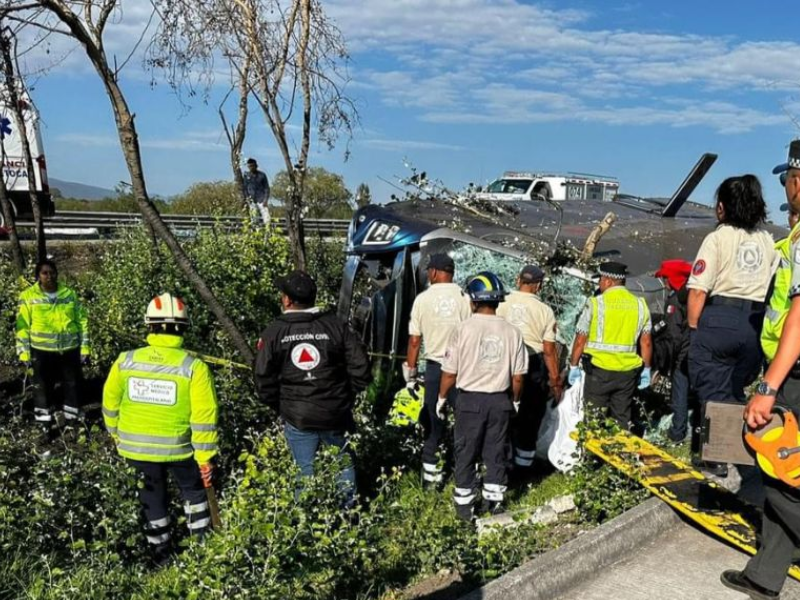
644 379
516 406
409 374
85 359
441 404
206 473
574 375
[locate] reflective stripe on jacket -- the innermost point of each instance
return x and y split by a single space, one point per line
779 301
618 319
160 404
52 325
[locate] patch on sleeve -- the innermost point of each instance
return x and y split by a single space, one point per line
796 255
699 267
260 345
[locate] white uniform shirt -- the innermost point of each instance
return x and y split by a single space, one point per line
485 351
532 317
735 263
435 314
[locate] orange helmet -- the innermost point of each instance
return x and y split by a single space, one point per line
166 308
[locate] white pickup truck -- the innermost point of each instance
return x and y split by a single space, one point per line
520 185
15 173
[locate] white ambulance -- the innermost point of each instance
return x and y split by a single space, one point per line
525 185
15 172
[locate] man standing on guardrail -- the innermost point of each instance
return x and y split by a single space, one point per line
53 341
256 188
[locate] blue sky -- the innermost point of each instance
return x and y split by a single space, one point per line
465 89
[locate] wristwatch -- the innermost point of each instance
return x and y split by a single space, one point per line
763 389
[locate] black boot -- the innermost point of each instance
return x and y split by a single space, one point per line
736 580
161 555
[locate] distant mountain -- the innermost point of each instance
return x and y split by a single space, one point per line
70 189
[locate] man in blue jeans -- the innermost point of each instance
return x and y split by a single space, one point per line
310 366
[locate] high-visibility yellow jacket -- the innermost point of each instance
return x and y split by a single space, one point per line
618 319
779 301
160 404
52 325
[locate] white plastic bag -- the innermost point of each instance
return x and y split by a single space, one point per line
547 430
563 451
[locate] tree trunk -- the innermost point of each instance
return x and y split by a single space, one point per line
237 134
14 101
597 233
11 226
295 230
130 147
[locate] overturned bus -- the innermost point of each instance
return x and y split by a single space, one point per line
386 269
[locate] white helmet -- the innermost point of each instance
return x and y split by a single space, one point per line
166 308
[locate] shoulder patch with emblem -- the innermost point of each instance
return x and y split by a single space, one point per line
699 267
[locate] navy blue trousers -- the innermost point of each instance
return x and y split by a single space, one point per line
725 353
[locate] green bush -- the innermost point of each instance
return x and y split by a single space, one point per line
70 525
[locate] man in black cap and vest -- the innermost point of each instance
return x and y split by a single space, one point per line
614 331
309 367
536 321
765 573
435 314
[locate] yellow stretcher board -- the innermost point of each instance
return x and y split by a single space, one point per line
686 490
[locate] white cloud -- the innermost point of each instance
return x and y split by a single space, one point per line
509 61
408 145
193 141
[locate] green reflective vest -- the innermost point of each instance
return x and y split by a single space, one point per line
618 319
160 404
779 301
50 324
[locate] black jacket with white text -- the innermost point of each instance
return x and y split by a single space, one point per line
310 366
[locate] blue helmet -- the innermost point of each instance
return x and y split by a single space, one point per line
485 287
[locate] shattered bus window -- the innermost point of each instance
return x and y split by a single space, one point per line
566 295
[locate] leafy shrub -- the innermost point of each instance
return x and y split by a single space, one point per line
601 491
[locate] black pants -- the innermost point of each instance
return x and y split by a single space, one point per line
533 404
725 353
611 391
780 529
50 369
481 432
155 504
433 427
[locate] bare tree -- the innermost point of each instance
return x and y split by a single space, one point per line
85 21
297 59
14 90
237 131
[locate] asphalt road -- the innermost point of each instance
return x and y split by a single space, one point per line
683 563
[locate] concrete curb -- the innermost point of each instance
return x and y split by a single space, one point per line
554 573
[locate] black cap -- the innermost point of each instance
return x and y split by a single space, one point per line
531 274
793 161
613 270
299 286
441 262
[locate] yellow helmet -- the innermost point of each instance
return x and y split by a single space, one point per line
166 308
